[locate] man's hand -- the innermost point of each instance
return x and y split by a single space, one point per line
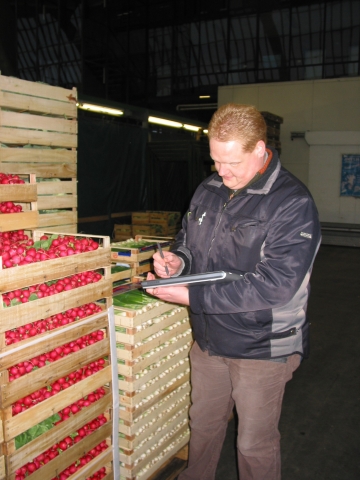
172 261
177 294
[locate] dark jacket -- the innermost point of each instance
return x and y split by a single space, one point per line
270 232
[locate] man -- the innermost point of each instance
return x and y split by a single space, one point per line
255 218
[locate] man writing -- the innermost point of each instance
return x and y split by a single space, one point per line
255 218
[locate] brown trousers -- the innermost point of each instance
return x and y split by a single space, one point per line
257 388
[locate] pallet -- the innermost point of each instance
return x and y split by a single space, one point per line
173 467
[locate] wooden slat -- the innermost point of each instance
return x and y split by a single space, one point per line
18 193
39 272
19 221
34 155
36 89
45 307
48 220
18 136
25 103
49 202
2 468
54 188
37 122
67 228
64 170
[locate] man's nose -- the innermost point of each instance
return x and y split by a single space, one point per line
222 169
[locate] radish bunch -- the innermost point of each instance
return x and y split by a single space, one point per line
17 249
9 179
26 294
22 368
58 386
50 323
10 207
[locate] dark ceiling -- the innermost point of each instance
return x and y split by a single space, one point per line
164 54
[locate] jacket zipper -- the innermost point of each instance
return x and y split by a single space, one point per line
207 267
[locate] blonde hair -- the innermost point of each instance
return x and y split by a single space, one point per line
243 123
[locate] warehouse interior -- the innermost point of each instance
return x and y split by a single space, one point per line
295 59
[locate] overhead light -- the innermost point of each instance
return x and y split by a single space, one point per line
99 109
206 131
193 128
164 121
204 96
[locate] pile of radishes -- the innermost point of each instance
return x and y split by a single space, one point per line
10 179
16 248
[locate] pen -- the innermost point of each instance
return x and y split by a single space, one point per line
162 256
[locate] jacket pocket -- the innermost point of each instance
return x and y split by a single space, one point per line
243 244
287 333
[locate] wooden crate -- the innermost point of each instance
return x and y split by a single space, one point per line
120 252
140 218
10 355
122 229
38 134
156 217
154 230
26 196
153 346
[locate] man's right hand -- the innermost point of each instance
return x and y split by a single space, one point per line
172 261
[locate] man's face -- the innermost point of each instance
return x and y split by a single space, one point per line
235 166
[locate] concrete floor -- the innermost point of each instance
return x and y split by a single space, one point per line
320 422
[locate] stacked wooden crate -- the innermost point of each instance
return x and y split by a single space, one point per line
158 223
133 257
26 196
57 403
153 343
38 135
273 123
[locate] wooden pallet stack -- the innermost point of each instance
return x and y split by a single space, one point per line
149 223
57 402
38 135
153 343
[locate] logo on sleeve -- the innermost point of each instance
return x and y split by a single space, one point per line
202 218
306 235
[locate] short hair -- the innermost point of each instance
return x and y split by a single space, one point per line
243 123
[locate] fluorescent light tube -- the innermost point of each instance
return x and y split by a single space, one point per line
193 128
164 121
100 109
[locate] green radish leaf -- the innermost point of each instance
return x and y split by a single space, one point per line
36 431
14 302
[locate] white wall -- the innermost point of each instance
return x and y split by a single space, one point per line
312 106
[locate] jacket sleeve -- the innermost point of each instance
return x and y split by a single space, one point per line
287 257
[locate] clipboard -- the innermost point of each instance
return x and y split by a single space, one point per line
208 278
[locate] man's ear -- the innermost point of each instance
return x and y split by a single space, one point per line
260 148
